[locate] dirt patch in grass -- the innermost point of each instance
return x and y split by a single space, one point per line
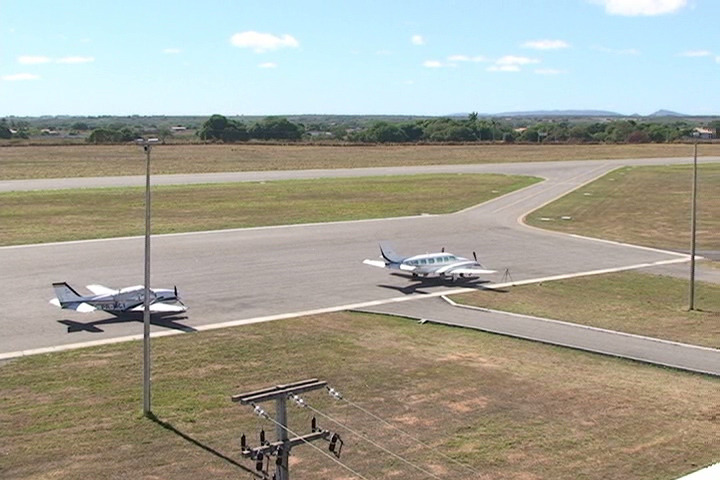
20 162
523 410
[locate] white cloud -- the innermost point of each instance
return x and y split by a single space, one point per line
641 7
546 44
19 77
622 51
513 60
432 64
171 51
511 63
717 59
503 68
263 42
268 65
696 53
548 71
75 60
465 58
417 40
33 59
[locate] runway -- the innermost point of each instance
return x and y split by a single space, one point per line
235 276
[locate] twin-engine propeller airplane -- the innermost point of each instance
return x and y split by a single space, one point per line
121 302
442 264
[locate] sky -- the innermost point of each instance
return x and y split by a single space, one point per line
363 57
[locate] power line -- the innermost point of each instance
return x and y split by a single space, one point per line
417 467
335 394
357 474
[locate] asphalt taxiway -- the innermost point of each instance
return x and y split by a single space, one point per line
234 276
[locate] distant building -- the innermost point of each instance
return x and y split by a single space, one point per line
705 133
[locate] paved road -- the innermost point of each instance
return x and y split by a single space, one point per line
237 275
596 340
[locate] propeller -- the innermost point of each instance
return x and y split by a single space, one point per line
475 257
176 292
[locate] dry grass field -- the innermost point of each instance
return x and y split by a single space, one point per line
20 162
647 206
63 215
509 409
631 302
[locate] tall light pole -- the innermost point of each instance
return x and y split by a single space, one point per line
147 144
693 229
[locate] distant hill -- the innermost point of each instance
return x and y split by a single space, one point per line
560 113
666 113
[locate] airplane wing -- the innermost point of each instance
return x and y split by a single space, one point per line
101 290
160 307
392 266
469 271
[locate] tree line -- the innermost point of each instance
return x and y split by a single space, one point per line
456 130
471 128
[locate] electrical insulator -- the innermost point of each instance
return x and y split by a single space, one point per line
262 437
242 441
334 393
333 442
259 462
313 424
278 460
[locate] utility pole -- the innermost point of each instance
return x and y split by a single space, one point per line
283 444
147 146
693 229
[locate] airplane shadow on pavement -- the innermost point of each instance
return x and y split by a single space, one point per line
94 326
435 282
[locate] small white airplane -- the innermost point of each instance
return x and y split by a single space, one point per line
442 264
125 301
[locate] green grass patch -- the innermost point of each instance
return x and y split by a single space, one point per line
509 408
62 215
641 205
22 162
629 302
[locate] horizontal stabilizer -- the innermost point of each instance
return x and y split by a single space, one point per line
85 308
375 263
101 290
81 307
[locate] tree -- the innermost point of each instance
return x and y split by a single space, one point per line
413 131
276 128
103 135
218 127
384 132
4 130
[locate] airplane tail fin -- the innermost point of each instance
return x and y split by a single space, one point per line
66 294
389 254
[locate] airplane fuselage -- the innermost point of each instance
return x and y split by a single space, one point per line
118 302
436 263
